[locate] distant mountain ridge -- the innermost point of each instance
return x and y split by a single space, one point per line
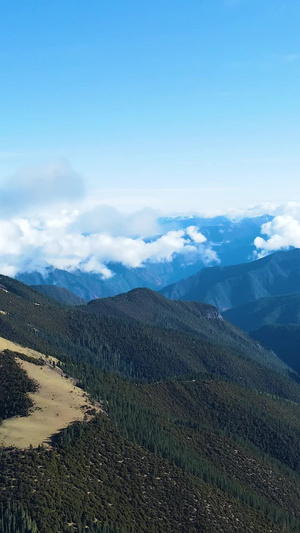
232 286
272 310
88 285
60 294
228 241
283 339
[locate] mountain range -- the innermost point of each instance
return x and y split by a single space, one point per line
272 310
191 426
231 286
228 242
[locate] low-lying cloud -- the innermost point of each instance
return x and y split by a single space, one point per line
65 233
107 219
280 233
27 245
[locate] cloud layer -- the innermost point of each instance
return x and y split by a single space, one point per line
34 244
46 220
86 238
282 232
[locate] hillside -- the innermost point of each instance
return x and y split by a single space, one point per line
52 403
60 294
194 318
283 339
15 288
232 286
129 347
150 307
274 310
200 426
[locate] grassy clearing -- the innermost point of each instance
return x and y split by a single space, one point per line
57 403
9 345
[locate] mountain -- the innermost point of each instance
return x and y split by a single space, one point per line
228 242
283 339
201 320
150 307
231 239
184 339
274 310
232 286
89 285
188 424
60 294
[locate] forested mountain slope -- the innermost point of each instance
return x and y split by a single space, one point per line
273 310
283 339
196 435
130 347
232 286
60 294
204 321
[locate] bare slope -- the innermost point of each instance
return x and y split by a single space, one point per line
57 403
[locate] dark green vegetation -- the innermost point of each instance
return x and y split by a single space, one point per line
216 338
24 357
275 310
232 286
284 339
13 519
177 340
60 294
14 386
202 432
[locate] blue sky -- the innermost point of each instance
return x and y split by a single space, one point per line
154 94
115 112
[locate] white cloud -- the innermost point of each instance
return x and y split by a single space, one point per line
8 270
90 235
195 235
281 233
33 244
104 218
37 187
10 238
273 209
208 255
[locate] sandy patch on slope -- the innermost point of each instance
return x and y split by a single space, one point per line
57 403
9 345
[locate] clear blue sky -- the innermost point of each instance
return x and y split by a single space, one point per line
155 94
